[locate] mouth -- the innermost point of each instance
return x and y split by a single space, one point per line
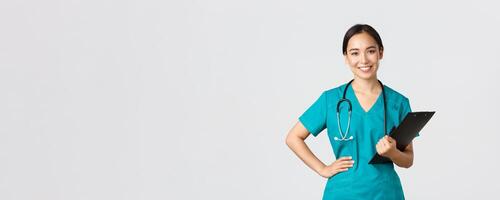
365 68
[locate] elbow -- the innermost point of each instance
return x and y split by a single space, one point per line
407 165
288 141
291 140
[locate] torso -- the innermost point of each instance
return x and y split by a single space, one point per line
367 127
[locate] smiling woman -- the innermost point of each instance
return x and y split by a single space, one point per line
357 130
362 49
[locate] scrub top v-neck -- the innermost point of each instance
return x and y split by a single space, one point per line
363 180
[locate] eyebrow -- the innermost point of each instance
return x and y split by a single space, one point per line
370 47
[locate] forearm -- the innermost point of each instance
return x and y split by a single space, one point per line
402 158
300 148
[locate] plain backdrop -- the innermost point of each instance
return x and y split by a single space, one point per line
145 99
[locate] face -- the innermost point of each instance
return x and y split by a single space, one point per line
363 55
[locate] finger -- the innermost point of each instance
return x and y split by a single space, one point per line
385 147
390 143
381 149
350 162
342 170
392 140
382 144
386 142
341 162
345 158
346 165
387 138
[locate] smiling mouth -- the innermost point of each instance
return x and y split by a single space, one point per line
365 68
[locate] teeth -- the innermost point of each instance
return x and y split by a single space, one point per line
365 69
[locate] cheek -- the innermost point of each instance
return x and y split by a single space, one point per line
374 58
352 62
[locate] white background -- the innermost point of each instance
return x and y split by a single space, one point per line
193 99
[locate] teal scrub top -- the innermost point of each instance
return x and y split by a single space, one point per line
363 180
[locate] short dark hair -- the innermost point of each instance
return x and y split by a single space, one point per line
361 28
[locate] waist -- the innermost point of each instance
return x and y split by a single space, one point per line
363 172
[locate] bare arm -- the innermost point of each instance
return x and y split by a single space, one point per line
403 158
295 141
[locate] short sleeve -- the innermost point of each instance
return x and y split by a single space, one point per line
314 118
405 109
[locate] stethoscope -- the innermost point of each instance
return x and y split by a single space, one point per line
343 136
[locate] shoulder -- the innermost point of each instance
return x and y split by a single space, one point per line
395 98
334 93
330 95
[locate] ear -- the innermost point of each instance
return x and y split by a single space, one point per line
345 59
381 54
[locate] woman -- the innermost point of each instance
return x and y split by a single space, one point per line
356 136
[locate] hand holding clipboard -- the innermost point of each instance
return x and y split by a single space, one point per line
405 132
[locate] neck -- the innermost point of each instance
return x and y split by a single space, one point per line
366 85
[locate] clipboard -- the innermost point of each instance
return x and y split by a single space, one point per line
405 132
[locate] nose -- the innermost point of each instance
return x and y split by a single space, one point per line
364 58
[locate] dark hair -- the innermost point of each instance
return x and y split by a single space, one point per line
361 28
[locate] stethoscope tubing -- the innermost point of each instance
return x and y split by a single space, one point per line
343 135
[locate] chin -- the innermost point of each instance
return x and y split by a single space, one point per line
366 76
363 77
372 74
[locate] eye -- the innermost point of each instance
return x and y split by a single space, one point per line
354 53
372 51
